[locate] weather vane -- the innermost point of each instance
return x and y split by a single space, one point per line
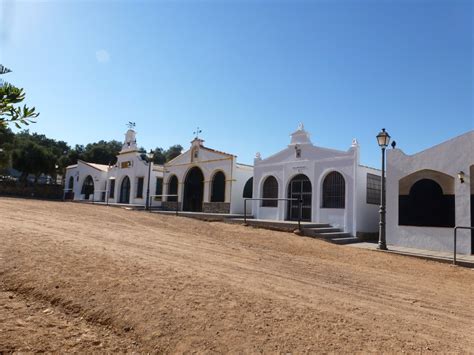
196 133
131 125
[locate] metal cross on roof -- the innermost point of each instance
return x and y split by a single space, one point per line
131 125
197 131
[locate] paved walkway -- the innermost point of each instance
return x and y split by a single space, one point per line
462 259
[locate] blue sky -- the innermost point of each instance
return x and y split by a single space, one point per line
246 72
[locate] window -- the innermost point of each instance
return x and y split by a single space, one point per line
426 205
334 191
218 187
374 188
112 188
140 187
248 189
270 190
159 188
71 183
173 188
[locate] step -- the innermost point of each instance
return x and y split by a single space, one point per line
344 240
318 231
332 235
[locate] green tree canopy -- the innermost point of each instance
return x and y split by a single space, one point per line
10 111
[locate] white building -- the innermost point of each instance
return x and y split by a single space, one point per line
125 182
430 192
332 184
206 180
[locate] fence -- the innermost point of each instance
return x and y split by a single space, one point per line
39 191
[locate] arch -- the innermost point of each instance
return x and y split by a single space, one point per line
193 190
248 189
299 188
426 203
218 187
334 191
70 184
125 190
270 190
88 187
172 188
445 181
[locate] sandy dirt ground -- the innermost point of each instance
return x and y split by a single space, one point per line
85 278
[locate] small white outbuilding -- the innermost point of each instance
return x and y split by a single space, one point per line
429 193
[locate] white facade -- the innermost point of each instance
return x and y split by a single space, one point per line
345 207
194 175
125 182
427 183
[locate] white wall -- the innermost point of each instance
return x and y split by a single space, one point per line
449 157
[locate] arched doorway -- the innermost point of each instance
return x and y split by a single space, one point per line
88 187
193 190
299 188
125 190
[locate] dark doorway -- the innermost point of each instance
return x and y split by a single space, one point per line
125 190
193 190
299 189
88 187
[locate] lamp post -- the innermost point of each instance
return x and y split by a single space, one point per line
150 162
383 139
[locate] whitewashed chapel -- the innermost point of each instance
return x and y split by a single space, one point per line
124 183
429 193
332 184
206 180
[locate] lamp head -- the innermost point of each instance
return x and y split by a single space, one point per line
383 138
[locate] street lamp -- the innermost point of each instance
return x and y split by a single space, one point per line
383 139
150 162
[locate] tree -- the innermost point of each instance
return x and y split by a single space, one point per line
102 152
173 152
31 158
6 145
10 96
159 156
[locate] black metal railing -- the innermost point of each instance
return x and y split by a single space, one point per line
300 204
455 239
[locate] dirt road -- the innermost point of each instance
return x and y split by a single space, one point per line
78 277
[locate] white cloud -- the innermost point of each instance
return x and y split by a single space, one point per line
102 56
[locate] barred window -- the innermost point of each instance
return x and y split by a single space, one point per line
218 187
159 187
270 190
374 188
334 191
173 188
112 188
140 187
